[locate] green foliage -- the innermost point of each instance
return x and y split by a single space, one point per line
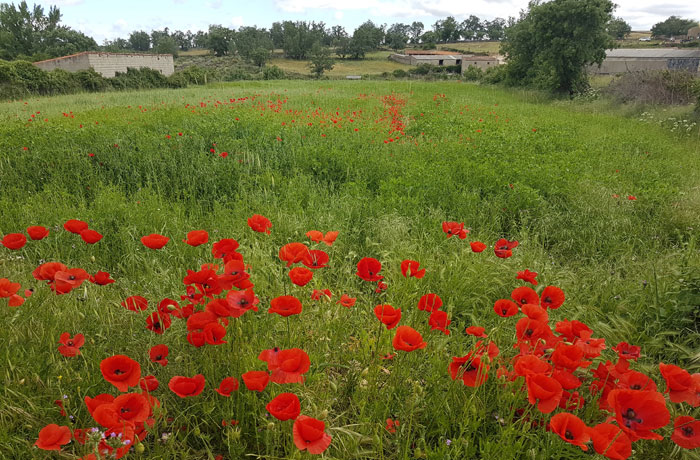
428 40
397 36
473 73
254 45
553 42
654 87
400 73
273 73
143 78
166 45
299 38
674 26
321 60
140 41
495 75
367 37
618 28
219 40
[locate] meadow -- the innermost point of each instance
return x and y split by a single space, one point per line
603 207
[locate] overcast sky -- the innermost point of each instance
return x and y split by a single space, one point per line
109 19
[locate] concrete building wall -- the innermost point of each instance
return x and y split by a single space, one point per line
71 63
482 64
623 65
108 64
694 33
401 58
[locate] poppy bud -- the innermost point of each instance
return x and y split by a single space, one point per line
271 426
324 414
139 448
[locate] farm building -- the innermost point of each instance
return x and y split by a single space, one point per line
694 33
482 62
426 57
623 60
108 64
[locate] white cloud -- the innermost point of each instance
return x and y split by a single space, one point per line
237 21
339 15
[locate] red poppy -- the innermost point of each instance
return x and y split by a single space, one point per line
392 425
315 235
411 268
214 333
407 339
638 412
592 348
75 226
686 432
158 322
528 365
130 408
570 401
325 293
316 259
70 346
66 280
504 248
47 271
159 354
154 241
347 301
535 312
285 406
544 391
679 384
476 331
121 371
293 253
285 305
309 434
439 320
552 297
289 365
226 249
531 331
235 275
330 238
568 357
477 246
527 276
455 228
196 238
633 380
571 330
571 429
8 288
52 437
37 232
15 300
149 383
90 236
14 241
101 278
256 380
135 303
470 369
610 441
227 385
368 269
430 302
525 294
388 315
300 276
185 387
505 308
626 351
381 287
631 197
260 224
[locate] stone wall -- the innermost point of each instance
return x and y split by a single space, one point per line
71 63
107 64
612 66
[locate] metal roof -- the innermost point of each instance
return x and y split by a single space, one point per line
102 53
642 53
433 57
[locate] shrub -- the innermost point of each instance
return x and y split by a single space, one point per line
494 75
400 73
90 80
142 78
654 87
473 73
273 73
421 69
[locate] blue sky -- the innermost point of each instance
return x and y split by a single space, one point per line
109 19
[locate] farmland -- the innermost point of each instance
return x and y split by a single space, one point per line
603 207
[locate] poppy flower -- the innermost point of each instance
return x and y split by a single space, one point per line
505 308
66 280
568 357
235 275
330 237
325 293
552 297
317 237
528 365
455 228
288 366
314 235
476 331
227 385
638 412
135 303
679 384
159 354
570 401
8 288
477 246
527 276
535 312
185 387
634 380
149 383
52 437
14 241
504 248
571 429
70 346
48 270
214 333
410 268
571 330
121 371
544 391
368 269
300 276
196 238
525 294
610 441
260 224
531 331
154 241
686 432
293 253
101 278
285 305
309 434
407 339
15 301
316 259
381 287
256 380
158 322
388 315
439 320
429 302
626 351
75 226
470 369
90 236
240 302
392 425
130 408
347 301
37 232
226 249
285 406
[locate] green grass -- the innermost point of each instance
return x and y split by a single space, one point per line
508 164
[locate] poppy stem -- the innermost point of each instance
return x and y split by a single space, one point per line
289 335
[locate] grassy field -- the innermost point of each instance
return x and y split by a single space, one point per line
492 48
604 207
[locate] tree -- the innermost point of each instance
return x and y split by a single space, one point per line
277 35
672 27
166 45
299 38
618 28
471 28
367 37
259 56
495 29
321 60
24 31
251 41
397 36
429 40
139 41
219 39
416 31
553 42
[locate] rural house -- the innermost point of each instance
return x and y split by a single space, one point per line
108 64
623 60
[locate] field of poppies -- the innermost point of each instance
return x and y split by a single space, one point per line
349 270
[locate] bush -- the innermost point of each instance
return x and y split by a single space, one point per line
494 75
400 73
421 69
273 73
655 87
62 82
143 78
473 73
90 80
